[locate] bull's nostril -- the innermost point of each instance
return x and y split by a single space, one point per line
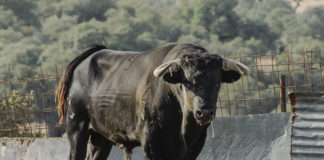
199 114
204 115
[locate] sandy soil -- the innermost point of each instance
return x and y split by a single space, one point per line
308 4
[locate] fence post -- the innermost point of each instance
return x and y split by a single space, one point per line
283 93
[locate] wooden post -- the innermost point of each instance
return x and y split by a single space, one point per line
283 93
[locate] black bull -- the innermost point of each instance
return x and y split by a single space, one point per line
163 100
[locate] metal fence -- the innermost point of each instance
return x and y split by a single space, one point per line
28 108
272 77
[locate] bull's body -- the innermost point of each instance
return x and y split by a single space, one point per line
114 98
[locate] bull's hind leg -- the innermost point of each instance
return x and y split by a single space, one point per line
77 126
99 147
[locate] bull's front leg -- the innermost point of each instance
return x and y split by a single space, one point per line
151 143
126 153
194 152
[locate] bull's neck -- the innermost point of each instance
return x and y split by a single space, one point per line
189 126
191 132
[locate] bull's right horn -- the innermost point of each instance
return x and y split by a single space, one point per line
229 64
160 70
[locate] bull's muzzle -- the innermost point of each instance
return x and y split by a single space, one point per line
204 116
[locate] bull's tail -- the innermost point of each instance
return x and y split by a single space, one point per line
63 87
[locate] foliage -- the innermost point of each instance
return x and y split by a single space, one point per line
57 30
36 33
25 10
87 9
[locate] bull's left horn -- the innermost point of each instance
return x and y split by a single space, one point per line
160 70
229 64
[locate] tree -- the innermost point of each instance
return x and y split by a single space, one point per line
313 20
259 9
24 10
8 36
280 20
8 19
54 26
20 57
71 42
217 17
87 9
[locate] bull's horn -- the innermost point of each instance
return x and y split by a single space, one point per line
160 70
229 64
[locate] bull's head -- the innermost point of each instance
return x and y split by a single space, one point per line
197 80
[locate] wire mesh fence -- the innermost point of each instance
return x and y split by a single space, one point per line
28 108
272 77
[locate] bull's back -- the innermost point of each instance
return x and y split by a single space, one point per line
109 81
115 86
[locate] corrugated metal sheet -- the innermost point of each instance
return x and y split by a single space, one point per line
307 139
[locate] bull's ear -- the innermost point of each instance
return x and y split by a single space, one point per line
230 76
233 70
170 71
174 75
